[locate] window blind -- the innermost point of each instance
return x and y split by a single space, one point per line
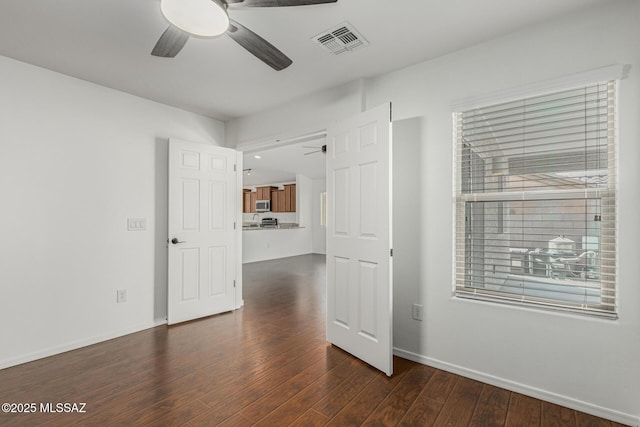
536 201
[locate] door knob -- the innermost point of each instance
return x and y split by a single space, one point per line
175 241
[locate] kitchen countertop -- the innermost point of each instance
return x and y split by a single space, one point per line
281 226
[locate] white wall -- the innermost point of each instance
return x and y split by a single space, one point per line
76 161
306 115
585 363
304 189
266 244
408 224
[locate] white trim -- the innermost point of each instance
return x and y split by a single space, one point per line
611 72
74 345
558 399
239 284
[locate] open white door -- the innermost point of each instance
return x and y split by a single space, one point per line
359 275
203 237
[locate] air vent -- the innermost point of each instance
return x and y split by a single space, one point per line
341 39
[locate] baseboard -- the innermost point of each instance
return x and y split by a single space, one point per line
568 402
51 351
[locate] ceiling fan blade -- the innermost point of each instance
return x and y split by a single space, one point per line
259 47
170 43
277 3
322 149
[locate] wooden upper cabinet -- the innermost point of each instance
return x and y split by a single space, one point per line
264 193
289 198
281 200
246 201
293 197
254 197
275 206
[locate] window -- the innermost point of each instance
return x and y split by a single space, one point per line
535 201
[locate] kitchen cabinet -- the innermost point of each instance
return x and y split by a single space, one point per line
252 201
281 204
264 193
249 198
290 197
281 200
275 206
284 200
246 201
287 198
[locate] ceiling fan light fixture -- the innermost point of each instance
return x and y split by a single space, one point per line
205 18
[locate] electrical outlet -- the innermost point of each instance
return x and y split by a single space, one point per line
416 311
121 296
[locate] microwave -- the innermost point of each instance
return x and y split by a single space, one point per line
263 205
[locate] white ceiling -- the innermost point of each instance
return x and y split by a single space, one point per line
282 164
108 42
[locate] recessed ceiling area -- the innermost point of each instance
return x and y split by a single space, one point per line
282 164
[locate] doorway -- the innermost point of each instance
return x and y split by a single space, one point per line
297 164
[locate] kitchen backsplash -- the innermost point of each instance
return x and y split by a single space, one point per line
281 216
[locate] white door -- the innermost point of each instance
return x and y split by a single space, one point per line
359 275
203 237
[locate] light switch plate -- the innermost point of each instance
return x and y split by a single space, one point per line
137 224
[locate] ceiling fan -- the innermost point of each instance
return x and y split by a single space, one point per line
322 149
209 18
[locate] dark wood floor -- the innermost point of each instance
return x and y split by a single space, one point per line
267 364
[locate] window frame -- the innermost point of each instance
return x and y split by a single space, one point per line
607 74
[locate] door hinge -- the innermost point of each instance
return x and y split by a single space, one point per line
234 283
391 252
234 167
234 225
